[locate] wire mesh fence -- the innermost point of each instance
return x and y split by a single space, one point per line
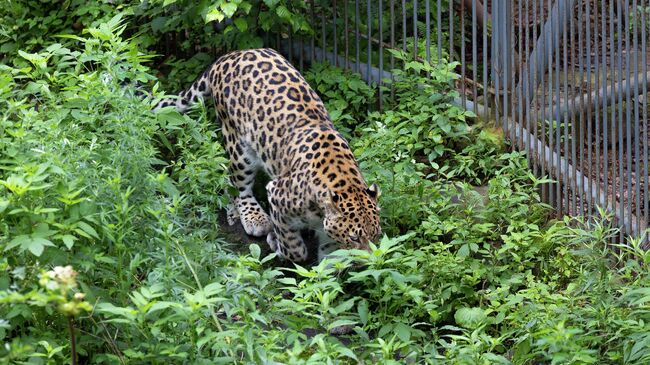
566 80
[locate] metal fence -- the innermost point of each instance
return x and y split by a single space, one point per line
566 80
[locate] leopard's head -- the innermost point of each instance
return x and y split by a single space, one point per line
352 217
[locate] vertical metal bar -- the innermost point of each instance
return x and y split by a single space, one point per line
558 118
427 21
602 156
290 53
555 100
474 58
565 65
312 42
415 29
369 38
510 69
346 38
619 64
404 26
301 57
520 97
357 34
451 30
335 34
439 29
495 72
486 69
613 112
572 187
628 116
392 46
323 35
581 139
637 130
381 55
543 36
532 76
506 51
646 118
530 157
301 51
463 95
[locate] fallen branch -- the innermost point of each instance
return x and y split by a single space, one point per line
614 93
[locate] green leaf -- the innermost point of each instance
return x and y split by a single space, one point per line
37 245
68 240
108 308
42 230
403 331
229 9
255 251
36 59
88 229
214 14
470 317
463 251
346 352
345 306
287 281
639 349
162 305
106 260
496 359
3 205
362 310
340 323
283 12
241 24
385 329
213 289
20 240
158 23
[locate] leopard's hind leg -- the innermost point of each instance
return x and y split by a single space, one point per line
244 164
285 238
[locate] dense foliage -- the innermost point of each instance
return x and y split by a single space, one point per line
129 199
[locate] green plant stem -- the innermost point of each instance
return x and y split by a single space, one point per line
198 283
73 341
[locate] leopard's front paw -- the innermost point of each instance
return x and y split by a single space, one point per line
253 218
256 225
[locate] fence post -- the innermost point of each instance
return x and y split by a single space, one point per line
501 47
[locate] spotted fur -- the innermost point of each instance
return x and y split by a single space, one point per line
274 121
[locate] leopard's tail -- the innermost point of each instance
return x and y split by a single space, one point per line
200 88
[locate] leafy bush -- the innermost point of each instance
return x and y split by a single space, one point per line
347 97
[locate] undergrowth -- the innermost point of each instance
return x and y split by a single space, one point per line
90 178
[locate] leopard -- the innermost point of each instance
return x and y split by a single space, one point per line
273 121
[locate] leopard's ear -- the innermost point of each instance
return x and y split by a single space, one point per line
374 191
331 203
